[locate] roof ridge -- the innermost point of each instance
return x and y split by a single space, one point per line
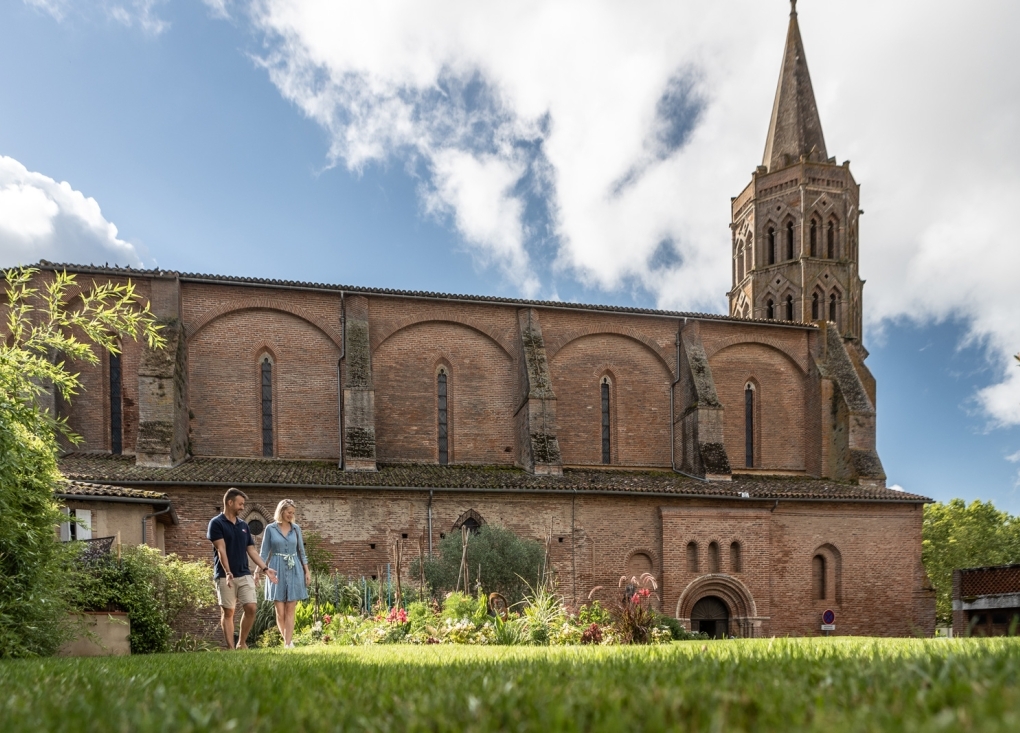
395 292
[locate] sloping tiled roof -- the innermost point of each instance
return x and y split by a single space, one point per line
990 581
85 489
277 472
354 289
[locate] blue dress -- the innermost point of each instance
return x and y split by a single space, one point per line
285 555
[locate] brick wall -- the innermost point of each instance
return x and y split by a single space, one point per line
592 540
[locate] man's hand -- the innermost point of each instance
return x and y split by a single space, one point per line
229 579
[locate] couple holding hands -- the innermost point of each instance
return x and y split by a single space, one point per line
282 559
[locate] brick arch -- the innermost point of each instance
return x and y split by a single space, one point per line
556 344
263 303
736 340
738 599
408 321
469 514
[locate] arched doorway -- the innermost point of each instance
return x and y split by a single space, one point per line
711 616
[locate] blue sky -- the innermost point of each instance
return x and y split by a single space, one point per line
463 147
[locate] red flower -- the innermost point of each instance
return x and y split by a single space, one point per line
645 592
635 599
327 619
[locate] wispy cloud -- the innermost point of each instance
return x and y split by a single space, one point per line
141 14
43 219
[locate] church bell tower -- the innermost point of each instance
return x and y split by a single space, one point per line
795 226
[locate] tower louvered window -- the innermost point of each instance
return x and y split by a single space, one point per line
832 307
749 426
116 414
770 309
831 236
444 425
607 456
772 246
814 306
267 407
789 307
814 239
789 240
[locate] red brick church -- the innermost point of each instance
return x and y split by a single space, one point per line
731 456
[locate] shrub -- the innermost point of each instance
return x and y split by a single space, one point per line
508 562
154 590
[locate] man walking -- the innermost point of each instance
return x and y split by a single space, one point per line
232 546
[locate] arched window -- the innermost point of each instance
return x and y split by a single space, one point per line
789 240
814 306
267 406
814 238
692 557
772 246
749 426
736 565
116 402
832 308
789 307
749 254
740 265
713 557
770 309
607 456
831 236
819 582
443 422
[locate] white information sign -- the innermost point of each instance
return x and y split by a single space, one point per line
828 627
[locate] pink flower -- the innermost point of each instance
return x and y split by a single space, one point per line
327 619
635 599
645 592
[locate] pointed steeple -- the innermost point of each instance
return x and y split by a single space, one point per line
795 129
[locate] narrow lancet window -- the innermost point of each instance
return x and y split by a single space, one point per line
789 240
772 246
789 307
770 309
692 557
832 240
116 401
832 307
749 426
818 579
607 456
444 425
814 307
267 407
814 239
736 565
713 557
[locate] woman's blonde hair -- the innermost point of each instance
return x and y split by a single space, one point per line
278 514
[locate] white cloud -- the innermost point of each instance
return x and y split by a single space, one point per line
565 95
896 487
43 219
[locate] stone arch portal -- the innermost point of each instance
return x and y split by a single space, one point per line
741 617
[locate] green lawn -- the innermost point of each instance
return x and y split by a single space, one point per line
821 684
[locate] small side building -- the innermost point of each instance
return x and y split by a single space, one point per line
137 516
986 601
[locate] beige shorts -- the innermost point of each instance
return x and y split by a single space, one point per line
241 589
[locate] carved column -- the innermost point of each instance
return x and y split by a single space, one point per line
538 449
162 383
359 392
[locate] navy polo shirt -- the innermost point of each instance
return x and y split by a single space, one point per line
236 540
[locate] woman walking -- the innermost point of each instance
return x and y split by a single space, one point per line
283 550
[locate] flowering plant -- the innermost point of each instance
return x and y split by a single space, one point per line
397 616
